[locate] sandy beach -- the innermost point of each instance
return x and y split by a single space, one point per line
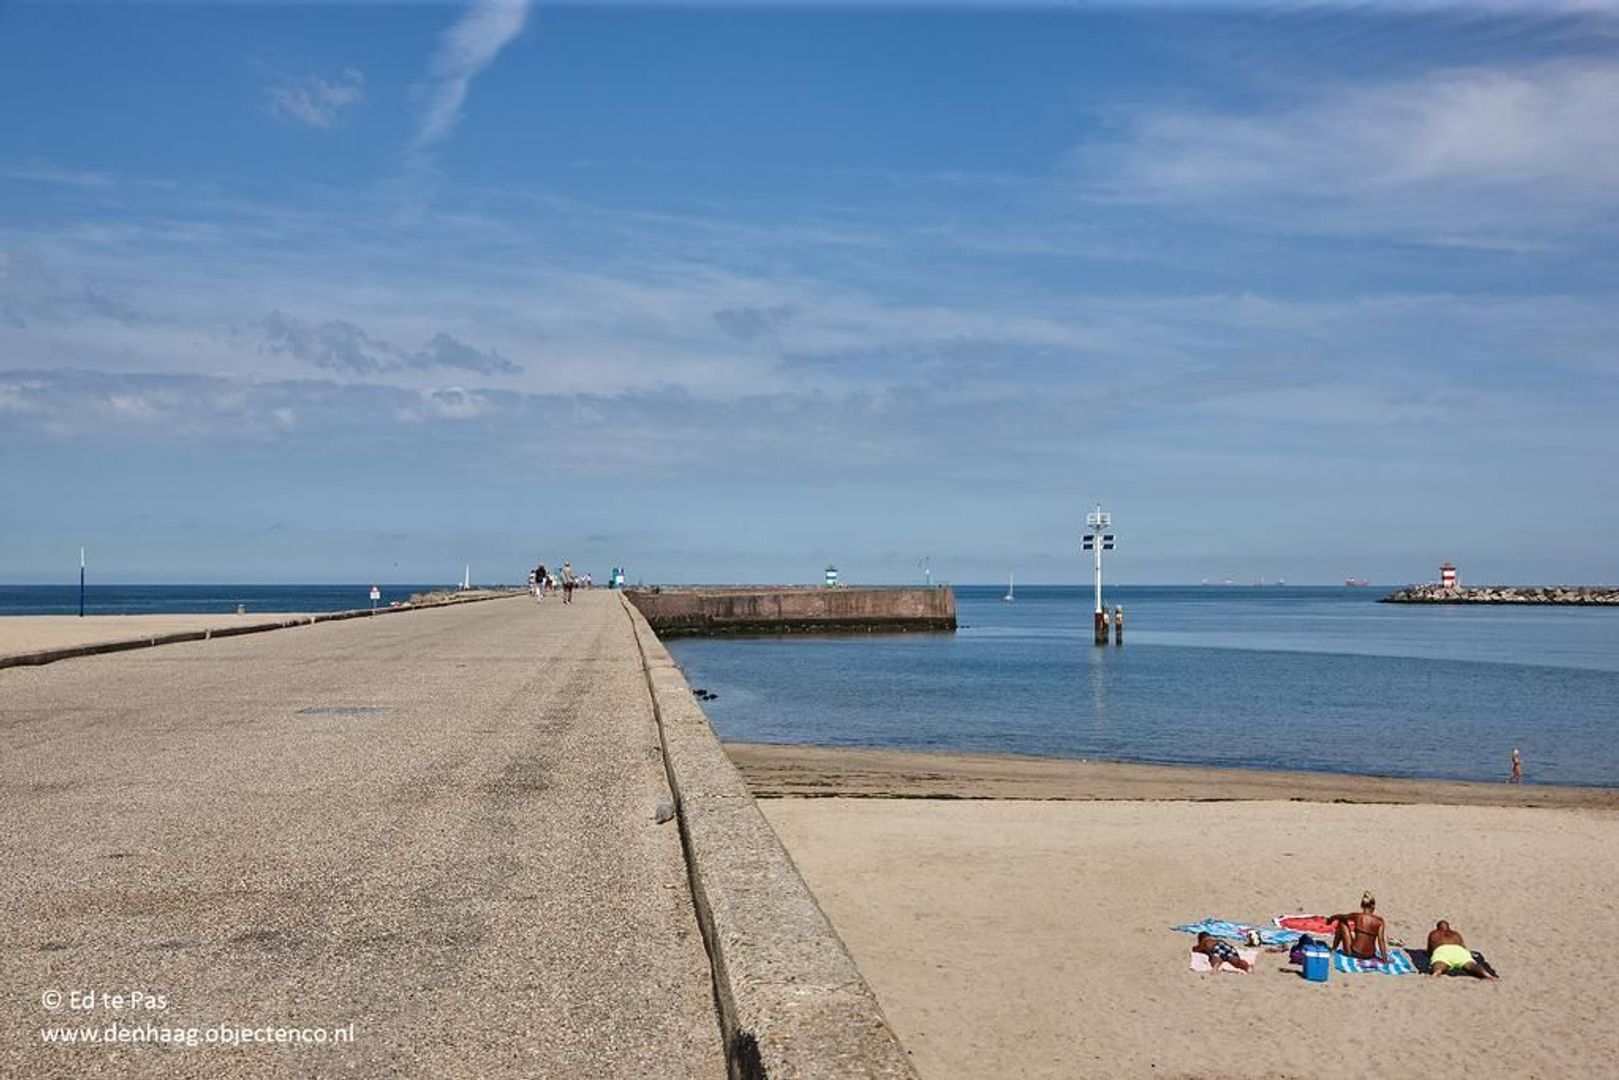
1029 936
38 633
35 633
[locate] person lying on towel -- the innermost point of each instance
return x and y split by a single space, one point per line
1220 952
1361 933
1448 952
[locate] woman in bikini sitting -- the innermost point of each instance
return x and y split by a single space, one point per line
1361 933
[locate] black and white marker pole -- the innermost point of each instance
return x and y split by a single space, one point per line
1099 540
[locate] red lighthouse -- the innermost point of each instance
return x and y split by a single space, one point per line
1447 576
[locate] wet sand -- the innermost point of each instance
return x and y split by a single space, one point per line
1028 935
810 771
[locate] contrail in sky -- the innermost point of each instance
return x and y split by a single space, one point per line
464 50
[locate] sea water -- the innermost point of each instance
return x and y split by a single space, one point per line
1264 677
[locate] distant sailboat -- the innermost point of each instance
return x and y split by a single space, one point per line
1008 596
466 579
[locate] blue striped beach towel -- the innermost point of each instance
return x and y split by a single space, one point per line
1399 964
1238 931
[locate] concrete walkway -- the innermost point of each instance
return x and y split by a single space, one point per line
437 827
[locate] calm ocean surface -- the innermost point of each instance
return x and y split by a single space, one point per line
1284 678
190 599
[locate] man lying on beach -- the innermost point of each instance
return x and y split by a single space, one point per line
1448 952
1361 933
1220 952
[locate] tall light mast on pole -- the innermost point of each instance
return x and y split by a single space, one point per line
1098 540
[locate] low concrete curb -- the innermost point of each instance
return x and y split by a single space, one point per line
791 1002
67 652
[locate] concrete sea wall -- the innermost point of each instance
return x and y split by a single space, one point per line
792 1004
789 610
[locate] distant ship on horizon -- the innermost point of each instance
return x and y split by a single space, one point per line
1356 582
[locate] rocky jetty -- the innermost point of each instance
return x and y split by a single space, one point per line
1504 594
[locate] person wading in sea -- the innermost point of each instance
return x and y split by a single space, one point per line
1517 768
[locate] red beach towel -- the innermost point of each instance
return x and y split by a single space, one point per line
1314 925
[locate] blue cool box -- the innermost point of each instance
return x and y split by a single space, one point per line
1317 963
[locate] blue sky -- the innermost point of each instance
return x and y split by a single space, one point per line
308 292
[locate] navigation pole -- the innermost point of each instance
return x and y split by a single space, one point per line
1097 540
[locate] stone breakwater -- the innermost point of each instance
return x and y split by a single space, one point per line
1504 594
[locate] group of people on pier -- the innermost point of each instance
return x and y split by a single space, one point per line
543 583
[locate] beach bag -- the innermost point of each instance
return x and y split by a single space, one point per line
1296 954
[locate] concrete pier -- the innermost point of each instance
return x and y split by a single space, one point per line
794 610
437 827
431 840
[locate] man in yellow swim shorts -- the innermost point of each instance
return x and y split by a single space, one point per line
1448 952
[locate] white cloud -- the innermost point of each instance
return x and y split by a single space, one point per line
465 50
30 293
455 403
339 345
187 295
313 101
42 172
1459 152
